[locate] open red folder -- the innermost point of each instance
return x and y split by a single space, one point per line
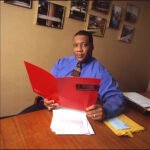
72 92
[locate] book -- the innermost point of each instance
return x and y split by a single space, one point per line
71 92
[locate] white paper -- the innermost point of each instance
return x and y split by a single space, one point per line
70 121
138 99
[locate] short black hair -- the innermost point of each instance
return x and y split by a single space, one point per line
86 33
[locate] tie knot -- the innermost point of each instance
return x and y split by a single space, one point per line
79 64
77 70
78 67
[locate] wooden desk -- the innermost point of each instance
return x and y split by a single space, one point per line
32 131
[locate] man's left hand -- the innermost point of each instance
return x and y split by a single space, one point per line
96 112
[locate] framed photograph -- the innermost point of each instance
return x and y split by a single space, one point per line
50 14
96 25
127 33
101 5
132 13
22 3
116 15
78 9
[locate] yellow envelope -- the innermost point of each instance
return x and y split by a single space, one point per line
134 127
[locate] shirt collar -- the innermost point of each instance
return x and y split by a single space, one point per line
75 61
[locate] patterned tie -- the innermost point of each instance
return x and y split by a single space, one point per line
77 70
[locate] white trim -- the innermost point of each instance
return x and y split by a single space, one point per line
49 18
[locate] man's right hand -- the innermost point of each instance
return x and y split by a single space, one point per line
50 104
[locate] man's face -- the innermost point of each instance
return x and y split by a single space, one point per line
81 47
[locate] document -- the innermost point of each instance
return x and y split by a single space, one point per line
138 99
71 92
70 121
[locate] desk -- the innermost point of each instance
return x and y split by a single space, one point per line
32 131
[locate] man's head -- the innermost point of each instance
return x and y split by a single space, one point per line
82 45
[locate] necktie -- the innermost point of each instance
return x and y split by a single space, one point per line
77 70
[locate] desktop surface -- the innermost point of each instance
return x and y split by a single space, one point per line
32 131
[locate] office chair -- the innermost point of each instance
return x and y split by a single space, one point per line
38 105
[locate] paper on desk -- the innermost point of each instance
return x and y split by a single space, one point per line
138 99
70 121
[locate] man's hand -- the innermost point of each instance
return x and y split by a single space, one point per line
50 104
96 112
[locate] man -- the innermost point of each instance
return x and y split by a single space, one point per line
112 99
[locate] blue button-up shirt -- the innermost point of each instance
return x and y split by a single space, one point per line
113 99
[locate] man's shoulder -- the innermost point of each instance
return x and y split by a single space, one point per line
96 62
68 59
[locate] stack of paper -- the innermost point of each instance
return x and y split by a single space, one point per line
70 121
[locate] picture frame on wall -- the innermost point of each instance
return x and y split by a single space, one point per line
96 25
50 14
127 33
78 9
22 3
116 15
131 13
101 6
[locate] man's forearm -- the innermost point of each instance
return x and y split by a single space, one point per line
114 105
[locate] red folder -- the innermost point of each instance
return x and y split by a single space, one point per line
72 92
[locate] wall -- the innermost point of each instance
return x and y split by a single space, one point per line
22 40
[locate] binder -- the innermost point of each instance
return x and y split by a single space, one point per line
134 127
72 92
